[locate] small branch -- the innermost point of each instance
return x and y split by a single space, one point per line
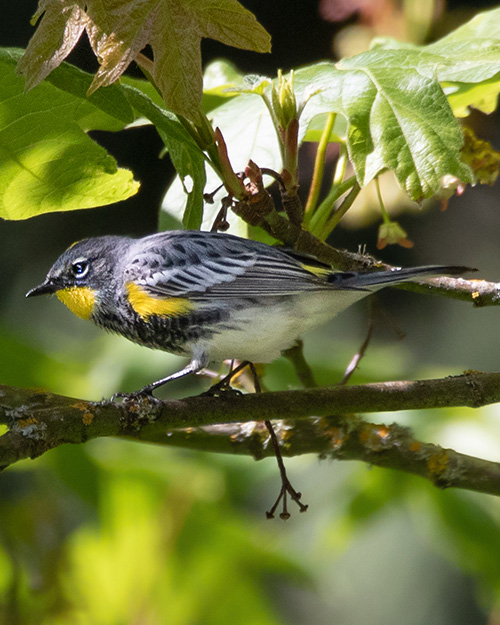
303 371
479 292
40 421
346 438
355 360
258 209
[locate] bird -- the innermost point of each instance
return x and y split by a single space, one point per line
209 296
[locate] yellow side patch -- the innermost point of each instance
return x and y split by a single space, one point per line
146 305
79 299
321 272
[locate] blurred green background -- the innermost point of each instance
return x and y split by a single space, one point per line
120 533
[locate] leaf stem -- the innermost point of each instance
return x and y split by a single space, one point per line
341 211
274 119
341 165
146 66
319 218
383 210
319 165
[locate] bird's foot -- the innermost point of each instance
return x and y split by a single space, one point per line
142 395
286 489
222 389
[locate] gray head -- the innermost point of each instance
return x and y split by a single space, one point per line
89 263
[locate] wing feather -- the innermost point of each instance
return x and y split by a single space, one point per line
206 266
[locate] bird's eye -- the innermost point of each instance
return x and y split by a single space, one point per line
80 269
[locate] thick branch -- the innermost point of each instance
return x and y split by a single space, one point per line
39 421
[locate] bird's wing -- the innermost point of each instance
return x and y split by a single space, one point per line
218 267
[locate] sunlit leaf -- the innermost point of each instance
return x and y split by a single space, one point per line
397 118
118 30
48 163
466 62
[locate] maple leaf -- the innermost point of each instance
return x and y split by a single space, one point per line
119 29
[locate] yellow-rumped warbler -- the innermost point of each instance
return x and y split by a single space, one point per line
209 296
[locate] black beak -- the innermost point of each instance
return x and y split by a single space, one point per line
42 289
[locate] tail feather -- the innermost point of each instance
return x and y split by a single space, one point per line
368 280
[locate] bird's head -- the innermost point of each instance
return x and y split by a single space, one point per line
81 273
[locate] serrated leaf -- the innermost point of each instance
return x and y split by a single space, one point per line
397 118
119 29
47 161
466 62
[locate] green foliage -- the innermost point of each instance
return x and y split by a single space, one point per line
169 546
48 162
119 30
394 101
120 533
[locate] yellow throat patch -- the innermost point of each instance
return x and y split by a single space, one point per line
79 299
146 305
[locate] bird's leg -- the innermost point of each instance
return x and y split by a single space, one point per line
196 365
286 487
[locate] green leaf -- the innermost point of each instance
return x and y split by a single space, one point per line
186 156
483 96
398 119
220 81
47 161
466 62
118 30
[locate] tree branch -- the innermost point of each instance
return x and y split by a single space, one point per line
260 210
349 438
39 421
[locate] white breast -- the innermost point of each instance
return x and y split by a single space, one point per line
261 334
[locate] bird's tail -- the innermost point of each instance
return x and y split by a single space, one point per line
369 280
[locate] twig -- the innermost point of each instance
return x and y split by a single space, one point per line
344 438
478 292
303 371
40 421
352 366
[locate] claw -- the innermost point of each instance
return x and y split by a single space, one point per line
222 389
136 396
286 488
